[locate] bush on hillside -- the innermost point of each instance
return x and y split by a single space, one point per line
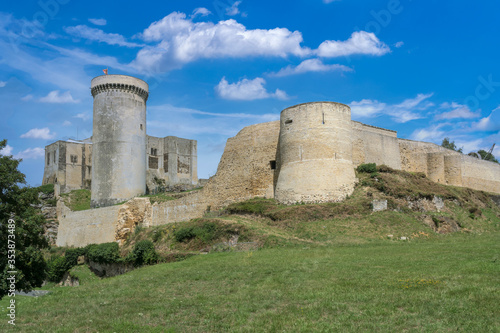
367 168
144 253
106 253
56 267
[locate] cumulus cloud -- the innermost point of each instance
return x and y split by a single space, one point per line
99 21
399 44
409 109
39 133
457 111
66 123
180 40
55 96
247 90
311 65
201 12
31 153
86 32
360 42
3 84
6 151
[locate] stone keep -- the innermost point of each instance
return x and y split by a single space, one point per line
119 139
314 157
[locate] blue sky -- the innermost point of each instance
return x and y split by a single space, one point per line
427 69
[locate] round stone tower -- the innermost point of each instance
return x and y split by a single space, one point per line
314 158
119 139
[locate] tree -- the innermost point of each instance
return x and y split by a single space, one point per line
18 203
451 145
487 156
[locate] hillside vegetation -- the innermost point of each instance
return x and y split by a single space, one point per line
429 262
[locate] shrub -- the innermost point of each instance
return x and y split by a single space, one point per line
72 255
184 234
106 253
56 267
367 168
46 189
144 253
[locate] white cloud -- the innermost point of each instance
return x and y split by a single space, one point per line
329 1
201 11
399 44
180 41
409 109
99 21
83 31
469 145
3 84
31 153
66 123
84 116
360 42
39 133
26 98
367 108
6 151
311 65
490 123
429 134
56 97
458 111
233 10
260 117
247 90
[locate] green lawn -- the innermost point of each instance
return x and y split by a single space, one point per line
444 284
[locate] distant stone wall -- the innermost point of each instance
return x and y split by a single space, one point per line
375 145
449 167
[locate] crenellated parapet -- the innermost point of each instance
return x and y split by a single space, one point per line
120 87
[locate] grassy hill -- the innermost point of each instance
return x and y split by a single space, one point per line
327 267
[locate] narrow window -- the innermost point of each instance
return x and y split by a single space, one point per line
141 127
54 157
153 151
74 159
273 165
288 121
48 158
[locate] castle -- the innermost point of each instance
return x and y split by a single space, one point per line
123 153
308 156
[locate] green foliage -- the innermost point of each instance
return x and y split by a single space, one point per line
46 189
451 145
18 203
253 206
72 255
77 200
144 253
487 156
56 267
106 253
367 168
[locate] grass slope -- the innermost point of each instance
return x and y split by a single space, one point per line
449 284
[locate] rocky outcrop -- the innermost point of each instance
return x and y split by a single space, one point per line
131 214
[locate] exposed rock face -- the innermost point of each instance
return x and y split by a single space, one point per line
442 224
69 281
49 212
131 214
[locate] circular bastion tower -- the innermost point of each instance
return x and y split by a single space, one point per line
119 139
314 158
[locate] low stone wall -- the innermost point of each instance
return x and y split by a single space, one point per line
87 226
